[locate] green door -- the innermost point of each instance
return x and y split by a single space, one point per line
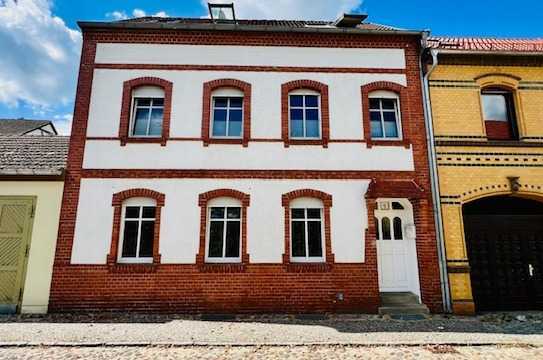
15 226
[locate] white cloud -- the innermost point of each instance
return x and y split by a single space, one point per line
117 15
290 9
138 13
40 56
63 123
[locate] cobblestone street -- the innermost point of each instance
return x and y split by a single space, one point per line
276 352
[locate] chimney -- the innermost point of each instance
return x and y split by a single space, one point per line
350 20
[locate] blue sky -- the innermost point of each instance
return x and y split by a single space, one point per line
40 40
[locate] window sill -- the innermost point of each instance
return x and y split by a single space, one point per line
371 142
142 268
222 268
226 141
308 267
143 140
320 142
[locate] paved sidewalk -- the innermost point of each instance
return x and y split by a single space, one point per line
144 330
276 352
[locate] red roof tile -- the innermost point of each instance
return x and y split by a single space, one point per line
486 44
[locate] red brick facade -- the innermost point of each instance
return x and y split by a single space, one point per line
258 287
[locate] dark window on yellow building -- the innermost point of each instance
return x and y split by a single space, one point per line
499 114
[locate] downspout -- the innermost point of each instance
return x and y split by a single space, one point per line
445 290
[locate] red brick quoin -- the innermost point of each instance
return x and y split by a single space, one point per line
117 203
126 110
405 119
325 113
209 87
327 203
203 200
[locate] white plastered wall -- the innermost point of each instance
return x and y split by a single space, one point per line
180 218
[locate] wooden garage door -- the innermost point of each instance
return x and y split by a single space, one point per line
506 259
15 224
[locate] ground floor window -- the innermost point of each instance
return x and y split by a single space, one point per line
224 238
306 234
138 231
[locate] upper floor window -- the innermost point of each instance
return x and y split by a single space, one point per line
499 114
306 229
148 112
304 114
384 115
227 114
138 230
224 231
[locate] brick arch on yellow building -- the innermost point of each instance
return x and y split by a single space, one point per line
531 191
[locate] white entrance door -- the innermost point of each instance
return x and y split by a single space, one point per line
396 247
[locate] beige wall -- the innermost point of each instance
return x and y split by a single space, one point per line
39 269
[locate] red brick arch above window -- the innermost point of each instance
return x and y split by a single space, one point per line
213 85
117 202
401 91
203 200
327 204
126 110
325 112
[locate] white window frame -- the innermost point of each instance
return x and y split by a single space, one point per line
224 203
305 92
228 93
388 95
146 92
139 202
307 203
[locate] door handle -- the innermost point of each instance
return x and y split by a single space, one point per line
531 270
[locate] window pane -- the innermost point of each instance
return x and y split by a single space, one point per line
398 229
298 213
143 102
312 128
374 104
236 102
391 130
148 212
312 114
217 213
375 115
495 107
234 213
215 238
132 212
158 102
315 239
388 104
234 128
140 122
146 240
397 206
232 239
313 213
296 114
221 102
298 238
219 123
386 229
376 130
156 122
377 234
296 128
311 101
296 100
130 238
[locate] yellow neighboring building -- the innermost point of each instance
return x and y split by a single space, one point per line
32 162
487 107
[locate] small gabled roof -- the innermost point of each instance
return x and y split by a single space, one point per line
23 126
486 45
33 155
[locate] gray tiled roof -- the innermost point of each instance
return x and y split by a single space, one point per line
20 126
293 24
33 155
